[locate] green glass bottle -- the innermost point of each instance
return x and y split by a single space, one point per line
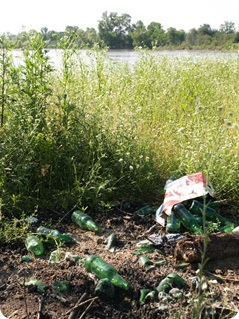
173 224
101 269
34 245
227 227
171 281
199 209
55 234
187 219
146 210
83 220
47 231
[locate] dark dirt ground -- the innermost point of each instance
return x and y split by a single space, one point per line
20 301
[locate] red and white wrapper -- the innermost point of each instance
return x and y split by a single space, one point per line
182 189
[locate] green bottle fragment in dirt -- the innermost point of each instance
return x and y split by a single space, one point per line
227 227
56 256
110 241
146 263
160 262
146 294
146 210
72 257
34 245
143 294
101 269
84 220
145 248
104 288
61 286
55 234
187 219
26 258
171 281
41 286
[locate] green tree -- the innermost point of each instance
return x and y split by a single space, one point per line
175 37
6 63
156 35
139 34
191 37
206 29
114 30
227 27
91 37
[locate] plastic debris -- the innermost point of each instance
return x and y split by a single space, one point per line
162 239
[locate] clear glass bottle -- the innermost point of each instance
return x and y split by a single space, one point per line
83 220
101 269
34 245
187 219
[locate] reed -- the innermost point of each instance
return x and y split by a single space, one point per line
93 131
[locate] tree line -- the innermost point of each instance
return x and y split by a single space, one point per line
118 32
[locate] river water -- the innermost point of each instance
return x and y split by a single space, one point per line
131 56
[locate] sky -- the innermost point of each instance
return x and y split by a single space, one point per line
20 15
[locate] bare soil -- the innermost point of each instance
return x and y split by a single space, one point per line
220 295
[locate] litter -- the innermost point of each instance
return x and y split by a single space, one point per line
183 189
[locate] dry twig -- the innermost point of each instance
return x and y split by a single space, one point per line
75 311
40 308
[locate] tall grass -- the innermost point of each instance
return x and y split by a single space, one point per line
93 131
